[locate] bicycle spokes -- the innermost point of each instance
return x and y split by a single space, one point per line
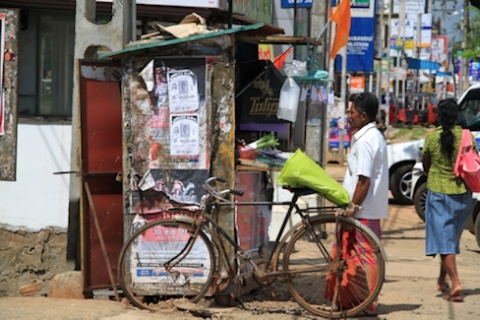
341 284
163 261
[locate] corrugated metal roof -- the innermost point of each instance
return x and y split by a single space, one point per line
158 44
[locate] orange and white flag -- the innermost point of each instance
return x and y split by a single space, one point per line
342 18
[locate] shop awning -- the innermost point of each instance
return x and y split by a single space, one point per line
444 74
418 64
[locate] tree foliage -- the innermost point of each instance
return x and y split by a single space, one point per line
473 30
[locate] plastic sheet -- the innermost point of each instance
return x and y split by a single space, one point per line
301 171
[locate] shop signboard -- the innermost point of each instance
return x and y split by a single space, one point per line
287 4
360 47
361 40
407 36
259 101
357 84
214 4
411 6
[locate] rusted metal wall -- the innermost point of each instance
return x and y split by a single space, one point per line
8 96
102 207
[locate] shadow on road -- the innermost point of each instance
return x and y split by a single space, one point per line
471 292
386 309
476 251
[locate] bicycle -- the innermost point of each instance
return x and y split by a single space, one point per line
184 257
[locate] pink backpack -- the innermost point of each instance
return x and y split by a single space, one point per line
467 165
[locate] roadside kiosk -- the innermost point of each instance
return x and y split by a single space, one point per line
180 101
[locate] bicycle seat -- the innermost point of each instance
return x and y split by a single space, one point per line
301 191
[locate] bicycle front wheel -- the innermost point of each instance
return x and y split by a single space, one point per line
335 266
162 261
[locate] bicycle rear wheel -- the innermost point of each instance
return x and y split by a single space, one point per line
150 273
339 271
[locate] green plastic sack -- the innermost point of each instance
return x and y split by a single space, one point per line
301 171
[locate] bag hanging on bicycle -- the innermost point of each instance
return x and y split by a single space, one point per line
301 171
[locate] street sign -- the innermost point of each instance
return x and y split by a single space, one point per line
357 84
286 4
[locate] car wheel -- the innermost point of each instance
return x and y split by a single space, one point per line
470 224
419 199
401 184
477 229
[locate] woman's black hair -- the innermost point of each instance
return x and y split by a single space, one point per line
447 115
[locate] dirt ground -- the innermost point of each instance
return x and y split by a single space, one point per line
409 291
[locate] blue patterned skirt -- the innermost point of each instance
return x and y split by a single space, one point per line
445 218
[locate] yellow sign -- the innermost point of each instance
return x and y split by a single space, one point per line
265 52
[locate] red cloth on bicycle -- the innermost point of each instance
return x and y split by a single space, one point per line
354 286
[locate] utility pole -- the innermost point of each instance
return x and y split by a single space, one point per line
401 42
464 80
389 61
381 28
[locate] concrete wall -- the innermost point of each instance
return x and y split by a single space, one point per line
34 209
39 198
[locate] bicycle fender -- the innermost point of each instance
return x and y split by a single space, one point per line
183 218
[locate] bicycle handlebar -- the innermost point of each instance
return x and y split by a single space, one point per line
214 192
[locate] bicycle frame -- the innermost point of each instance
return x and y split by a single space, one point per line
279 242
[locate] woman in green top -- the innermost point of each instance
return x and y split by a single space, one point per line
449 201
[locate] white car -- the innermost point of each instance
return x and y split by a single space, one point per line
469 104
401 159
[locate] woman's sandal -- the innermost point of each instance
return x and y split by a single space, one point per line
455 296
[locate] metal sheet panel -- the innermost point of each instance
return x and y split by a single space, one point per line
101 132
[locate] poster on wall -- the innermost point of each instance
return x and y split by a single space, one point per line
2 112
184 137
171 141
157 185
2 89
177 93
183 91
154 249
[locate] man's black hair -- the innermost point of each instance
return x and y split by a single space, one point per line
365 102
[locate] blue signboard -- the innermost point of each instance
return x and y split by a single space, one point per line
473 68
300 3
360 47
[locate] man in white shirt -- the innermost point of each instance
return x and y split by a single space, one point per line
366 178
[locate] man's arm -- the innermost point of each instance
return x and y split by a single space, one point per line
361 191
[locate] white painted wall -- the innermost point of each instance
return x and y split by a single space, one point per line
39 198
